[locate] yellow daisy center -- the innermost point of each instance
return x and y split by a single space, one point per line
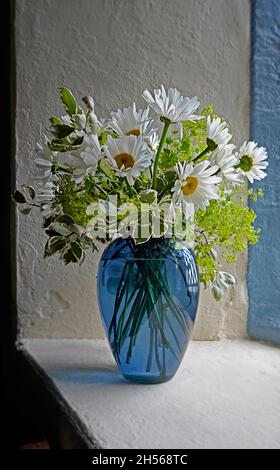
190 186
124 159
135 132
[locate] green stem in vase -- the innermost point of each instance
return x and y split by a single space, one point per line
167 123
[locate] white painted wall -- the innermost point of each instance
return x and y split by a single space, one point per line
114 49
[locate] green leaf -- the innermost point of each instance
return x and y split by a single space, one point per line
67 255
47 250
217 292
57 243
60 131
148 196
47 221
77 250
80 110
75 141
26 210
73 237
56 120
65 219
160 184
62 145
53 245
31 191
19 197
68 100
170 176
228 278
60 229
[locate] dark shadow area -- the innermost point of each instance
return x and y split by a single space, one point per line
29 411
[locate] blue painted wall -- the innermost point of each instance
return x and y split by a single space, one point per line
264 258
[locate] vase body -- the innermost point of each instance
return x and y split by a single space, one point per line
148 296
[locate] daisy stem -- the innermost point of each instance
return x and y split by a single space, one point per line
201 154
57 167
130 192
100 188
162 140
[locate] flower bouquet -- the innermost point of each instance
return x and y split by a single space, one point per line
168 192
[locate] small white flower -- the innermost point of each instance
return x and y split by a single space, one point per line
128 155
79 120
95 125
196 184
252 161
45 158
66 120
45 197
129 121
221 283
153 141
89 101
226 161
85 160
172 104
217 131
46 192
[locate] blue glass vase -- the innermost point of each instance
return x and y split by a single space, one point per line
148 295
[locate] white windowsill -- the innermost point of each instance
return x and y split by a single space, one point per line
225 395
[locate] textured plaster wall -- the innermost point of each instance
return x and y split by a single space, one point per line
114 49
263 274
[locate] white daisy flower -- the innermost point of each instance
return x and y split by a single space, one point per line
217 131
196 184
172 105
129 156
45 158
252 161
129 121
85 160
226 161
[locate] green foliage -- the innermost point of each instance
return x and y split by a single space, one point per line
19 197
67 144
26 210
192 143
31 191
73 203
66 239
226 224
255 195
68 100
60 131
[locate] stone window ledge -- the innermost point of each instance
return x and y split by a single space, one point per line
225 395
